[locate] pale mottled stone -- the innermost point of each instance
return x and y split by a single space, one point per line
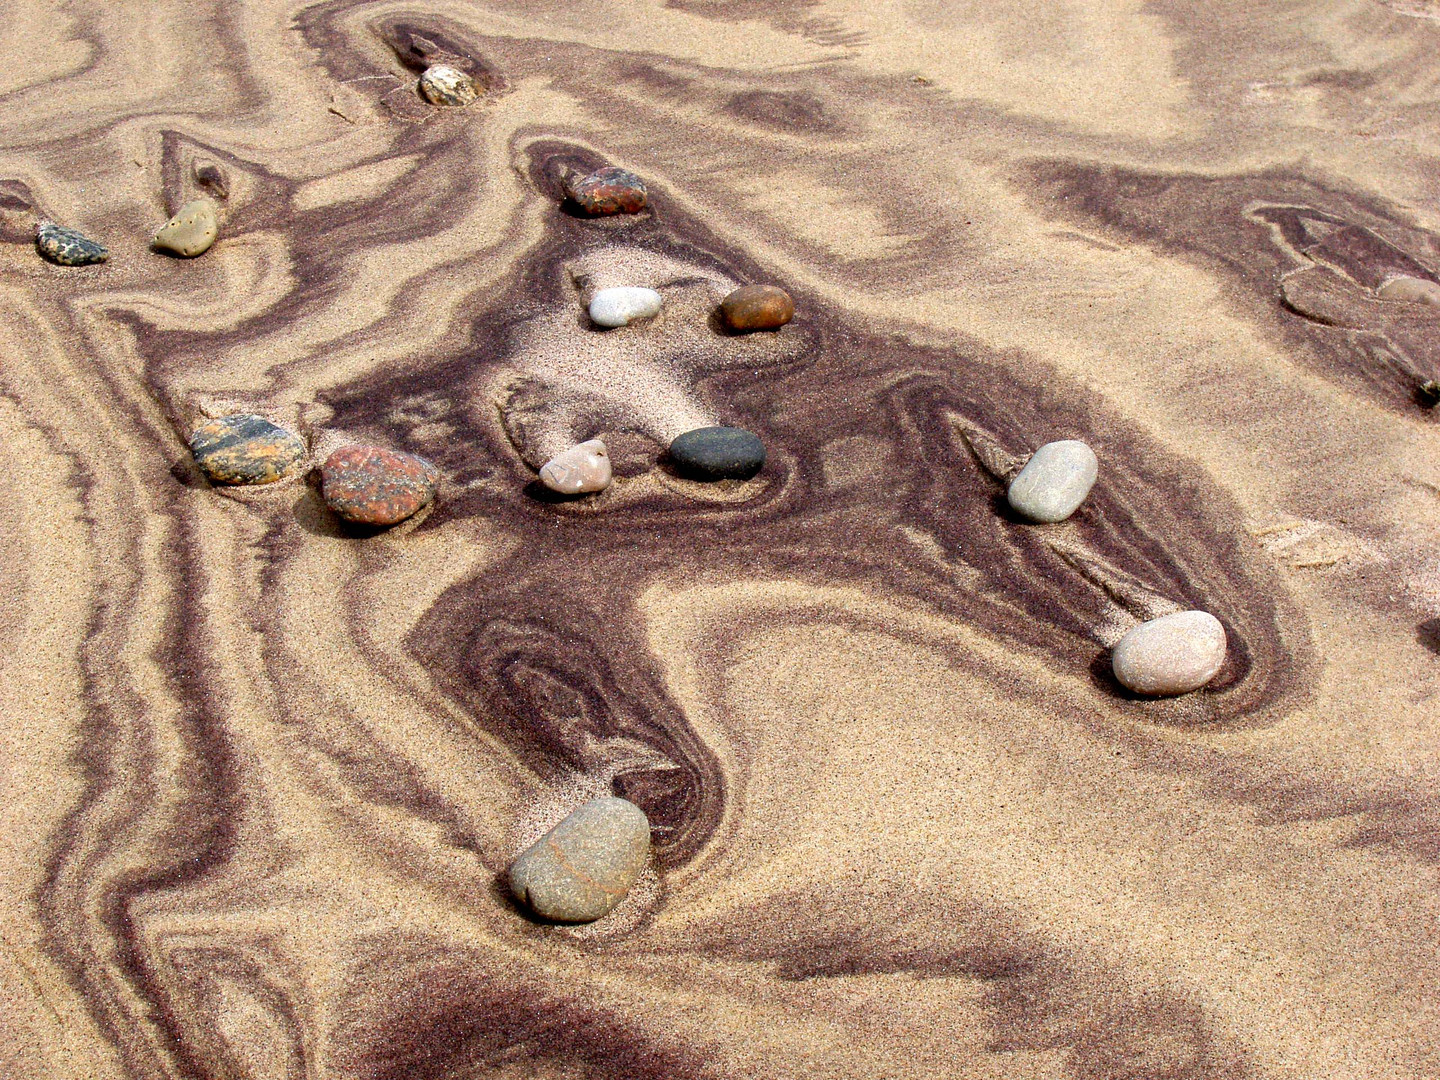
584 467
622 306
1054 481
1411 290
191 231
1173 654
583 867
445 85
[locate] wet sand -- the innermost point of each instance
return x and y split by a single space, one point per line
262 772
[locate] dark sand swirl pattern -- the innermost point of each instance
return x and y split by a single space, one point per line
267 770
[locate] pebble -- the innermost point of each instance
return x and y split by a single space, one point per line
67 247
622 306
245 449
718 453
444 85
583 867
191 231
757 307
608 191
371 485
1054 481
1412 290
1173 654
584 467
1430 393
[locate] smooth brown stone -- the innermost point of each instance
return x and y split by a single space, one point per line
609 190
371 485
757 307
191 231
583 468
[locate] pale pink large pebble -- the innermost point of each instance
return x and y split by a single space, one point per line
1173 654
584 467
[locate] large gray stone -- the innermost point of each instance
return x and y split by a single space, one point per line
1054 481
1173 654
584 866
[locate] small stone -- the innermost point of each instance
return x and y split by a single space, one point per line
445 85
1411 290
371 485
608 191
1429 392
67 247
1054 481
583 867
718 453
1173 654
245 449
584 467
757 307
191 231
622 306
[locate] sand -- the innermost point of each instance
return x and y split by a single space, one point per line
261 775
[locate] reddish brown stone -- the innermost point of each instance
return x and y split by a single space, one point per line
374 486
607 191
757 307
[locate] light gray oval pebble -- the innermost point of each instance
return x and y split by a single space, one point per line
1173 654
584 866
1054 481
622 306
1412 290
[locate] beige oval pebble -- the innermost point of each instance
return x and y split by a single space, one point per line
445 85
584 467
1173 654
191 231
1412 290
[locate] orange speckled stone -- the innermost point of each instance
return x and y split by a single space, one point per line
370 485
608 191
757 307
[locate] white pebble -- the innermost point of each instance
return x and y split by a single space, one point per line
622 306
1054 481
584 467
1173 654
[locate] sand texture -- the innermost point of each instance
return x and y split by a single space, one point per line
261 772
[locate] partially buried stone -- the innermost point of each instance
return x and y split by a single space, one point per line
608 191
245 449
622 306
67 247
1429 392
445 85
1410 290
582 868
757 307
718 453
191 231
371 485
1054 481
1173 654
583 468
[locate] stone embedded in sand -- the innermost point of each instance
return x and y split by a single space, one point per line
608 191
371 485
718 453
191 231
445 85
1429 392
68 247
584 467
583 867
757 307
245 449
1054 481
623 305
1173 654
1411 290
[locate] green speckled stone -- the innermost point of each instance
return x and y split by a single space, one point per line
582 868
67 247
246 449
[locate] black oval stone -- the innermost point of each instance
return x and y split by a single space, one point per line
718 453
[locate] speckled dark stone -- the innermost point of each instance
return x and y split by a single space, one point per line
718 453
67 247
757 307
374 486
246 449
608 191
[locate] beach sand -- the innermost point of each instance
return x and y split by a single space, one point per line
261 774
